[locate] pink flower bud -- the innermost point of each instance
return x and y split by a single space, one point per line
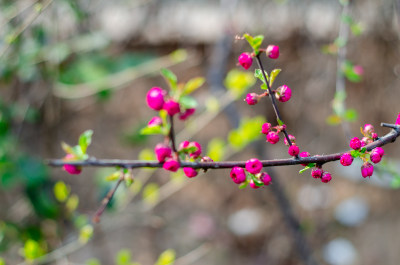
266 128
186 114
171 165
196 153
346 159
272 137
172 107
245 60
368 129
292 139
71 169
253 185
155 98
293 150
190 172
374 135
316 173
326 177
265 178
183 145
358 69
375 157
155 121
252 98
355 143
398 119
379 150
253 166
365 141
272 51
238 175
367 169
162 151
304 154
206 159
283 93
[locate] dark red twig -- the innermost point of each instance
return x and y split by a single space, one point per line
386 139
107 199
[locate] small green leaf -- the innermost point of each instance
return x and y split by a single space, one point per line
257 41
188 102
123 257
273 76
264 86
216 149
32 250
310 165
85 233
280 122
2 262
235 140
166 258
147 154
67 148
193 84
156 129
243 185
355 153
351 115
363 150
333 120
72 202
356 29
259 75
114 176
85 139
151 193
170 77
237 82
61 191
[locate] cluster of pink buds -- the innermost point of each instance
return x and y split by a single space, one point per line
272 133
282 93
158 99
375 155
318 173
254 177
246 59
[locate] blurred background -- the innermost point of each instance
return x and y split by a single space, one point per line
71 65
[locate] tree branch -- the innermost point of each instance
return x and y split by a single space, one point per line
386 139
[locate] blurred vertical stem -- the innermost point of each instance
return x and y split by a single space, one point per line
343 37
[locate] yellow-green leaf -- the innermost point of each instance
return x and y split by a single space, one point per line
193 84
72 202
86 233
61 191
166 258
273 76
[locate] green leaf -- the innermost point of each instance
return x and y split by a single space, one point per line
351 115
264 86
32 250
123 257
155 129
147 154
166 258
61 191
363 150
151 193
72 202
273 76
259 75
280 122
114 176
350 74
238 82
355 153
86 233
333 120
193 84
310 165
255 42
188 102
356 29
216 149
235 140
85 139
2 262
243 185
170 77
67 148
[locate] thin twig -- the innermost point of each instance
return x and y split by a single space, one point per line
107 199
278 115
386 139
